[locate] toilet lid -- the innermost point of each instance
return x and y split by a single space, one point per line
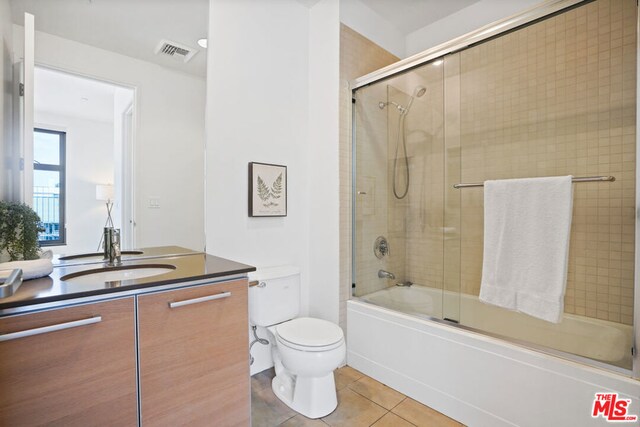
310 332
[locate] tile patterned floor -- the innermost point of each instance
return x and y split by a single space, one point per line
362 401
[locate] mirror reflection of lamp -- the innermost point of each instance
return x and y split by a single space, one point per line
104 192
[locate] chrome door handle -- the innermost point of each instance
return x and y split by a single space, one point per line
52 328
198 300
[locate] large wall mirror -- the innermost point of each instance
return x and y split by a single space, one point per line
118 120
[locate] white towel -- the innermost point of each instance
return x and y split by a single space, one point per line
527 223
32 269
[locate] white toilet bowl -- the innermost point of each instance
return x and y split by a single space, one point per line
306 351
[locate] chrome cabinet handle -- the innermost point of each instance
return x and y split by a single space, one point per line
257 283
11 284
198 300
52 328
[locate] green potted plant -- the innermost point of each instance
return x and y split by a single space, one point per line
19 228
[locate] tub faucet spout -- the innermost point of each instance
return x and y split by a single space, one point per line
383 274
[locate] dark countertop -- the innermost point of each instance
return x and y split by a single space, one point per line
197 266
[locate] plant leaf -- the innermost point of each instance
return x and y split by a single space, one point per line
263 190
276 187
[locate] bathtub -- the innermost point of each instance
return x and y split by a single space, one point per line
480 379
595 339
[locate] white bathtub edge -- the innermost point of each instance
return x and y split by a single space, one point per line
461 386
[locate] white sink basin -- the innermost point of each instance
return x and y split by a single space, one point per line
117 274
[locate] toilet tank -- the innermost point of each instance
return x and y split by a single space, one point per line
277 296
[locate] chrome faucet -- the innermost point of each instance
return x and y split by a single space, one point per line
383 274
112 251
106 239
116 253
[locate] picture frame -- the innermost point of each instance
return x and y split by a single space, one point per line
267 190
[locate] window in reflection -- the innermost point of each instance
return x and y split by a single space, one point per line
48 184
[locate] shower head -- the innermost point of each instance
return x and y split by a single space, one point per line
417 93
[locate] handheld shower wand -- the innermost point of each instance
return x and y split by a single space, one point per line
418 92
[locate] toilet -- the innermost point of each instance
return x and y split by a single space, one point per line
305 350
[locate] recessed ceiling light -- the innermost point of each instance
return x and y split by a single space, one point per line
202 43
438 62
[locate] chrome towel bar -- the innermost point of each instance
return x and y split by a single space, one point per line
576 179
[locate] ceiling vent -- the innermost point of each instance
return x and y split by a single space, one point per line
175 50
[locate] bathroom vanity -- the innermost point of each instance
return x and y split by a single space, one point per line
161 350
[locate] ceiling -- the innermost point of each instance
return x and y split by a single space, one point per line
73 96
130 27
410 15
135 27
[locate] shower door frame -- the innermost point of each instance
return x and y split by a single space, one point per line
484 33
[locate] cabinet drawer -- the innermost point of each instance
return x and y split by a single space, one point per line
194 356
69 366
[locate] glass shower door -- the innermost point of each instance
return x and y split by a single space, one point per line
399 193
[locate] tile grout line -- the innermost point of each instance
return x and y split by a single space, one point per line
379 418
293 416
402 418
404 397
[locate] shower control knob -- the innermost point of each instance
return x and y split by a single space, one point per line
381 247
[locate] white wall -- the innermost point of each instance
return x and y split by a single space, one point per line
462 22
359 17
169 135
257 110
89 157
324 185
6 98
271 70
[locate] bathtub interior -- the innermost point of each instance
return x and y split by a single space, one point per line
601 341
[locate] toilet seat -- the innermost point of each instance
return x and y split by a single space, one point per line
309 334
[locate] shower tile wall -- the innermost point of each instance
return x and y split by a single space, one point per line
358 56
416 221
558 98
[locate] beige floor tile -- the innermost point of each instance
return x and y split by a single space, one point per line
262 380
354 411
377 392
345 376
266 409
392 420
302 421
421 415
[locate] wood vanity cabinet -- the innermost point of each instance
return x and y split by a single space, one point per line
83 374
193 349
192 364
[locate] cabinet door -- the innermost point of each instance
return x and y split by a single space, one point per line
76 366
194 356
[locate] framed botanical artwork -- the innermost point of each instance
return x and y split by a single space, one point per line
267 189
